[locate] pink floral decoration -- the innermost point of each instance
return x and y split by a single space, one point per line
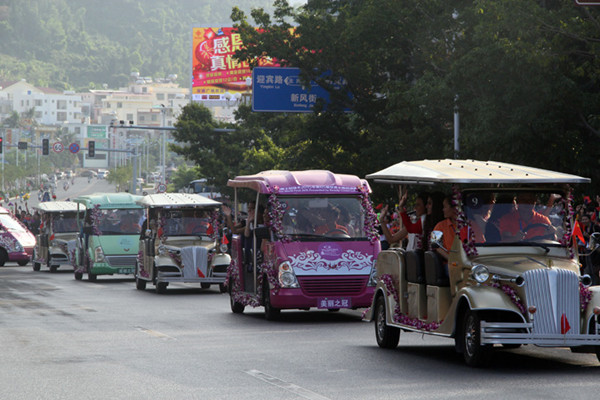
371 220
401 318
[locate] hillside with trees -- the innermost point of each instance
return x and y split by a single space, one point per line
79 44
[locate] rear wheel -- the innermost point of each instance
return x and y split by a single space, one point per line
78 275
53 268
205 285
36 266
271 313
387 336
23 263
92 277
140 284
236 308
474 353
222 288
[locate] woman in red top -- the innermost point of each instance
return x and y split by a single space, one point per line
412 230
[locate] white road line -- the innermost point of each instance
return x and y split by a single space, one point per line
290 387
154 333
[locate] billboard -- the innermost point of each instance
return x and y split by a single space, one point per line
214 69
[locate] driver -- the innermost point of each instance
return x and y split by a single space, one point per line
523 222
329 222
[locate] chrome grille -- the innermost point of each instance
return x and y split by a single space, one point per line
554 293
121 261
333 286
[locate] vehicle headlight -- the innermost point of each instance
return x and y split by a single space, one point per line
98 254
480 273
373 277
19 247
287 278
223 248
161 250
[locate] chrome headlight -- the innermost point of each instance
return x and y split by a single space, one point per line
19 247
161 250
287 278
98 254
480 273
223 248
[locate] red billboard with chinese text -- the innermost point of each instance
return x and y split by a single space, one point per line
214 69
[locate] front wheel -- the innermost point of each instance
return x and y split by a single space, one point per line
474 353
271 313
23 263
161 287
205 285
78 275
222 288
387 336
36 266
53 268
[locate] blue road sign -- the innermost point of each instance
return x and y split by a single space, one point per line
74 148
276 89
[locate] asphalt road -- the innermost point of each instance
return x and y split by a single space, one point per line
67 339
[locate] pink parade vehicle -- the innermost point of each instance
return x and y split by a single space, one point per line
310 242
16 242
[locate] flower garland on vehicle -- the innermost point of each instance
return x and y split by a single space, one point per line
371 221
214 222
233 282
140 262
96 217
276 212
463 223
568 208
585 296
512 294
401 318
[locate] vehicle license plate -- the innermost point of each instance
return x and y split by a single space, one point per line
334 302
126 270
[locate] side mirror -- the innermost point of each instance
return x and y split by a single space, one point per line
436 240
594 241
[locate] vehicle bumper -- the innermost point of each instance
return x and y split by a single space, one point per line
522 333
19 256
295 298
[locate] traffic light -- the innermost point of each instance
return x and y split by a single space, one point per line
91 149
45 146
1 143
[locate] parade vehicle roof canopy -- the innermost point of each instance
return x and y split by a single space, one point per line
301 182
59 206
176 200
468 171
109 200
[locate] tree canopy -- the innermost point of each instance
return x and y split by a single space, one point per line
522 75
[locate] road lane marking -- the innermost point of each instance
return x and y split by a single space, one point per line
290 387
154 333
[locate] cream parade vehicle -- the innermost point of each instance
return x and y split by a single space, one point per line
510 279
181 243
57 239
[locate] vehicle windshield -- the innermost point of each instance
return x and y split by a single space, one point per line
10 224
120 221
187 222
64 222
315 218
525 217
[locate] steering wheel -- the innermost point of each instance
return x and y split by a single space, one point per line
548 228
337 233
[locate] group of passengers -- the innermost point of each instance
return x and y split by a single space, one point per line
490 219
